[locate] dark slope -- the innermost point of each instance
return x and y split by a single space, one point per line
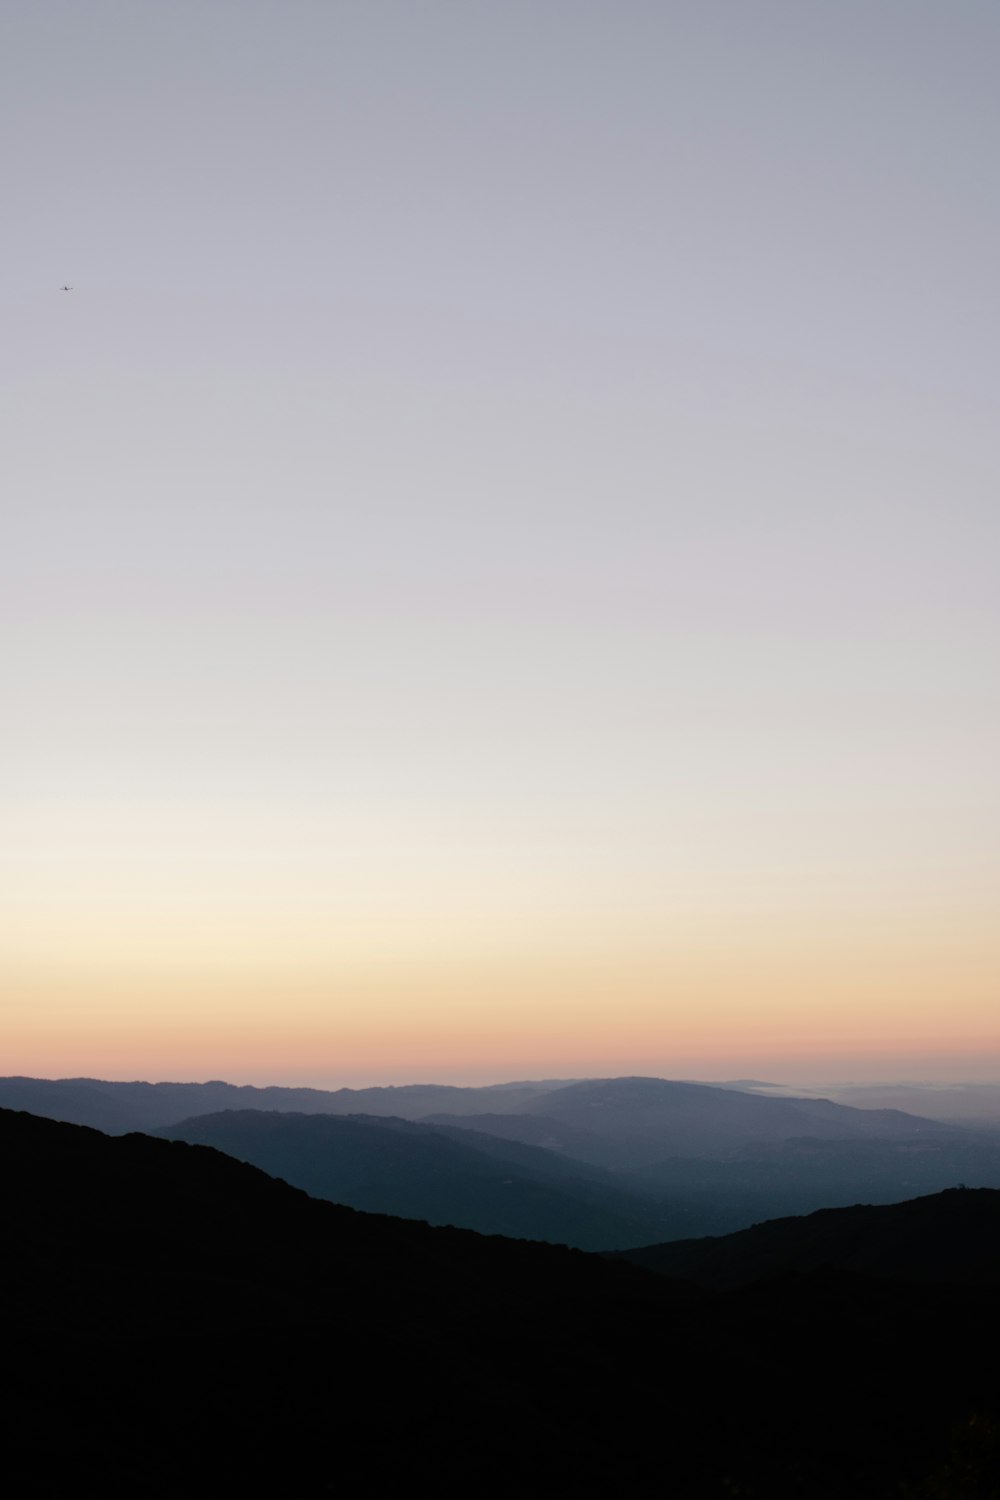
121 1107
184 1325
444 1176
179 1325
950 1237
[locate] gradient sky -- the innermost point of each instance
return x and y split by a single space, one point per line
499 559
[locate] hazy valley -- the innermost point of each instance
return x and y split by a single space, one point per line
603 1164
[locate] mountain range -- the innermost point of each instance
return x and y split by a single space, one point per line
600 1164
179 1324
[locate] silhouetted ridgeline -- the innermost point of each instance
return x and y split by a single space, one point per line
953 1236
178 1324
601 1164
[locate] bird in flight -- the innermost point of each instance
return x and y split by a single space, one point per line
65 288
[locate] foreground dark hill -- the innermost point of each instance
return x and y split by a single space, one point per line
185 1325
443 1175
177 1324
950 1237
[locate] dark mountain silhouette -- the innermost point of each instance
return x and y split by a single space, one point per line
952 1236
178 1324
185 1325
442 1175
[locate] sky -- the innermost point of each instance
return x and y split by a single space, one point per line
498 564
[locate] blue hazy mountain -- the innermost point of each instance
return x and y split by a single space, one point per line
444 1176
636 1122
120 1107
678 1159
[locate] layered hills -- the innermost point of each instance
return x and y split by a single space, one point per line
120 1107
628 1121
442 1175
600 1164
635 1122
179 1324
